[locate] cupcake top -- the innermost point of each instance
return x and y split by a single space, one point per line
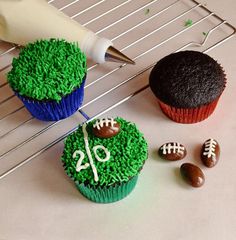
110 157
187 79
48 70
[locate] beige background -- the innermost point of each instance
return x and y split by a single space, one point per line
38 201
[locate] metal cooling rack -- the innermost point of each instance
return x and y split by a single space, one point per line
144 30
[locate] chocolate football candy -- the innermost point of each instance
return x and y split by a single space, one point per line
172 151
106 128
192 174
210 153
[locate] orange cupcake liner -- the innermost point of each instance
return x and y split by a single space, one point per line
188 115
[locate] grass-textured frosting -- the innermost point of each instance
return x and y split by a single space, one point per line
48 69
128 151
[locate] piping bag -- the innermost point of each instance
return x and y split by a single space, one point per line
24 21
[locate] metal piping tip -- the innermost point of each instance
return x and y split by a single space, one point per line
114 55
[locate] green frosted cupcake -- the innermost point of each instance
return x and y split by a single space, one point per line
49 76
104 158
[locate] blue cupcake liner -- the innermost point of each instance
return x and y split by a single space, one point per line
52 110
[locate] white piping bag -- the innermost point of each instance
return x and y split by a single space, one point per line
24 21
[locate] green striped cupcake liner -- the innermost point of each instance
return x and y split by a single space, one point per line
107 194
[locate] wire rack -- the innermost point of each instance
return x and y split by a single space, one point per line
144 30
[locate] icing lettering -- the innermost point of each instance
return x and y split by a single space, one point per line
79 165
95 148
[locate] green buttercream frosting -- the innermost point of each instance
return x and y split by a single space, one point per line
128 152
48 70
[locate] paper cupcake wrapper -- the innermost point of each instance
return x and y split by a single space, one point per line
188 115
53 110
107 194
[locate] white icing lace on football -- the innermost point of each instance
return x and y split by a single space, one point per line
105 121
169 148
79 165
209 149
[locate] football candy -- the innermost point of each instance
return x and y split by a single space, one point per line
172 151
106 128
210 153
192 174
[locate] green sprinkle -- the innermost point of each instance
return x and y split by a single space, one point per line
147 11
48 69
205 33
188 23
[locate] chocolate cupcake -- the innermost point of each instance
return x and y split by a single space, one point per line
188 85
49 77
104 158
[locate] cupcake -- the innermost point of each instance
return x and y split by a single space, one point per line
48 76
104 158
188 85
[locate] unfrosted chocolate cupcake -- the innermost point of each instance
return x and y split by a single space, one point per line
188 85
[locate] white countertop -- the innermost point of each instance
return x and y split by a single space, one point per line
38 201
